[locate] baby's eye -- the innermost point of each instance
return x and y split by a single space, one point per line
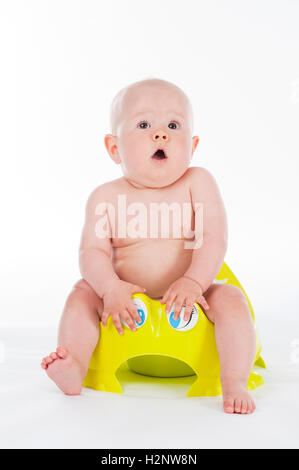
173 124
181 324
142 124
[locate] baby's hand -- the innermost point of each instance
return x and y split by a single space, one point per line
183 290
119 304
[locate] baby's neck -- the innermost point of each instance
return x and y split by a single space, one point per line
139 186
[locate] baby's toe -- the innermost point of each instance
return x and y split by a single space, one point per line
249 406
228 405
244 407
62 352
48 359
237 405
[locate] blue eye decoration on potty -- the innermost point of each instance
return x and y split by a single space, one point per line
142 311
180 324
142 317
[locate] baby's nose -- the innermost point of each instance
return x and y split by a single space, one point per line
160 135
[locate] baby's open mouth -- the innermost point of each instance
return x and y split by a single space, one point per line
159 154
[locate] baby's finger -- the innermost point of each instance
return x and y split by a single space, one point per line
129 321
137 288
188 309
178 306
169 302
105 316
117 323
204 303
165 297
134 312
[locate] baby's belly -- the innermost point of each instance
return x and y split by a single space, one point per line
153 264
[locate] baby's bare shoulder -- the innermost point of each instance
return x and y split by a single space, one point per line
105 191
199 175
195 172
203 185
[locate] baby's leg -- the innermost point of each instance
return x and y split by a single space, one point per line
235 340
77 337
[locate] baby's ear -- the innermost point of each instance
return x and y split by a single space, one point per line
111 146
195 140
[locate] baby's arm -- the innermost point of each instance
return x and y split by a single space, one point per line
208 258
95 252
97 269
211 239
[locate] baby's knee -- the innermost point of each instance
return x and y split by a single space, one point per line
219 294
82 297
82 284
230 293
224 300
232 302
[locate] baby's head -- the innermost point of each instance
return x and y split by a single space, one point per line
148 116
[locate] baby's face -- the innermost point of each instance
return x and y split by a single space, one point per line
154 119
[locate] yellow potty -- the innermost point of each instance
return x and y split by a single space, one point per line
163 347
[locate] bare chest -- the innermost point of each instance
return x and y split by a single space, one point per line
151 215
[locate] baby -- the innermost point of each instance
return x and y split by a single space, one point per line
152 126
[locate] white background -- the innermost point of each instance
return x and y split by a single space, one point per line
62 62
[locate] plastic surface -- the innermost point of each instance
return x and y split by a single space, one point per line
161 347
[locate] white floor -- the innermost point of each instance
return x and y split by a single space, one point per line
35 414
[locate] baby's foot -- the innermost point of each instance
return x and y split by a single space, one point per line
64 370
236 399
